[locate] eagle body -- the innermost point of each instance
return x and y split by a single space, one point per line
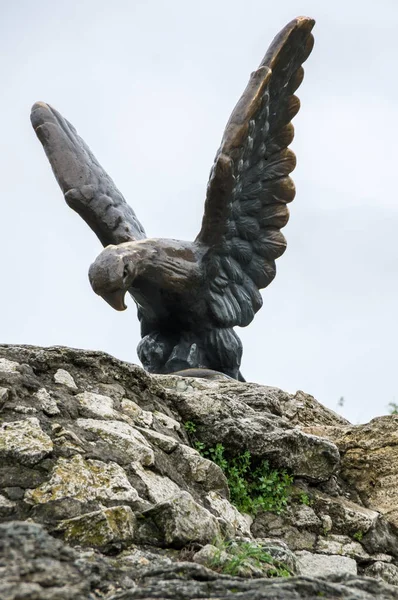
190 295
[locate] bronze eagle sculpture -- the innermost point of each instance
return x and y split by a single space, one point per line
190 295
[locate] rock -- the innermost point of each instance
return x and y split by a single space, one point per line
47 403
64 378
219 410
180 520
167 421
117 471
267 524
209 554
304 517
135 412
101 528
84 480
25 441
96 406
164 442
370 463
158 488
7 507
342 546
35 566
383 571
316 565
247 559
240 524
201 470
8 366
302 409
24 410
4 395
381 538
128 439
347 517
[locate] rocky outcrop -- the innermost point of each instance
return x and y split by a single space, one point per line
103 496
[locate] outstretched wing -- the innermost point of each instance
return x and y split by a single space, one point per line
87 188
249 184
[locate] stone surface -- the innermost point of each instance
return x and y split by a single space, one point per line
135 412
7 507
167 421
248 558
180 520
101 528
8 366
219 410
239 523
158 487
209 554
316 565
96 406
84 480
165 442
47 403
128 439
25 441
342 546
346 516
383 571
4 394
65 378
201 470
370 463
35 566
116 458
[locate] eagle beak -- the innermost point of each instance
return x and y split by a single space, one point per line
115 299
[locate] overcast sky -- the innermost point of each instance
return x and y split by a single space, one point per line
150 86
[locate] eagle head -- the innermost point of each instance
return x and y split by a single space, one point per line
113 272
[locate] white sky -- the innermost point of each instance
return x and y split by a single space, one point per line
150 86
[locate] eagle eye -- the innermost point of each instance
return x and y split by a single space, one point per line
126 271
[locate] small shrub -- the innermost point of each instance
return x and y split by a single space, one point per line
358 535
251 488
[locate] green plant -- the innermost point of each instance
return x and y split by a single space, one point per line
358 535
199 446
251 488
190 426
243 555
393 408
305 499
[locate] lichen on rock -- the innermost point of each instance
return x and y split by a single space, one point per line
84 480
25 441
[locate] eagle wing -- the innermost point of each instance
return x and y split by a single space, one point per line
249 182
87 188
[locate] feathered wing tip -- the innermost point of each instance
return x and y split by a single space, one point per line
249 184
87 188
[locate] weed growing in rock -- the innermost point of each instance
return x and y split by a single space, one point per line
190 426
393 408
252 488
358 535
246 559
305 499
